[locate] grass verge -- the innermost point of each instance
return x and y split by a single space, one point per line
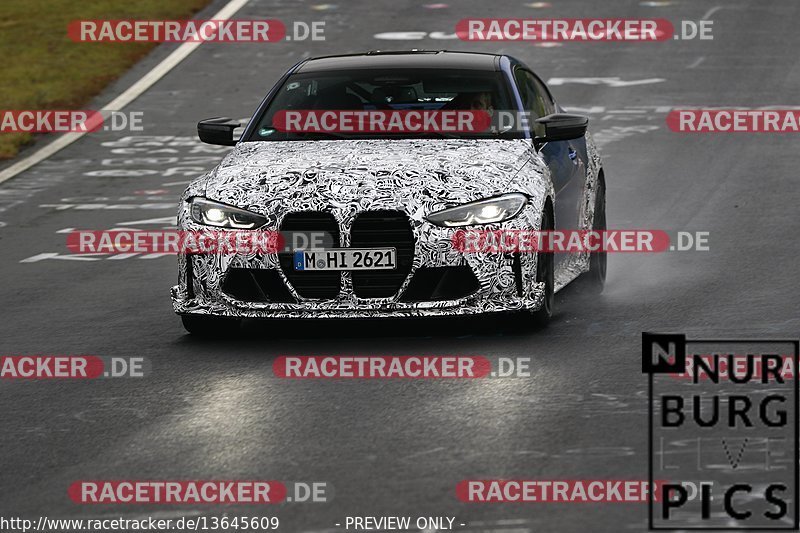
44 69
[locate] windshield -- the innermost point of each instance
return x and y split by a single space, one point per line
376 98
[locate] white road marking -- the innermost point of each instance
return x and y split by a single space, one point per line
427 452
173 220
710 12
611 82
129 95
55 255
697 62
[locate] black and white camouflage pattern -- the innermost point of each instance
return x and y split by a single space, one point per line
346 177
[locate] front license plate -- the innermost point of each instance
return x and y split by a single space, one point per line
346 259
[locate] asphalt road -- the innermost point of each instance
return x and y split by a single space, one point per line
213 410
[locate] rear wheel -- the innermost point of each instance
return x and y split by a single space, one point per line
595 279
545 272
210 326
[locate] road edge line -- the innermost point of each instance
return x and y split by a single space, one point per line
127 96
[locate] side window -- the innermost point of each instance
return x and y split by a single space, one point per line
534 97
525 88
547 105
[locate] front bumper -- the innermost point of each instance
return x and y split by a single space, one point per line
503 282
327 309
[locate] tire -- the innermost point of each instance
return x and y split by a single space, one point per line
545 271
595 280
210 326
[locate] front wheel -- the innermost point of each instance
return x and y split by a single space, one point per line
210 326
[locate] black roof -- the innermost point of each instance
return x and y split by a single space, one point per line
403 59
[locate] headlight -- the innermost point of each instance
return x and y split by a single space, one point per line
481 212
223 216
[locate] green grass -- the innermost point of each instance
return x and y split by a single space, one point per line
43 69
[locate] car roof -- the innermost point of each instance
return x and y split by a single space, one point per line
435 59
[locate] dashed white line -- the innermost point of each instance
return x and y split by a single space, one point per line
129 95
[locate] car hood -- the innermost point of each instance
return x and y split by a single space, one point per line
418 175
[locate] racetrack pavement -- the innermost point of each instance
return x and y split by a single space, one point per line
214 410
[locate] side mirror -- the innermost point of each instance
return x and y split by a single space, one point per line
562 127
217 130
